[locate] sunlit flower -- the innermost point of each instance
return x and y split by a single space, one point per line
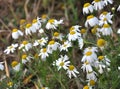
93 49
40 42
101 43
26 58
98 4
11 48
44 18
28 29
57 35
62 62
16 33
118 9
72 71
91 21
53 23
106 2
88 8
65 46
104 60
87 67
43 53
25 46
1 66
106 30
15 65
41 31
75 28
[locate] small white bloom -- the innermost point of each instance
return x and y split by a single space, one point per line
65 46
11 48
57 35
72 71
80 43
98 4
44 18
43 53
41 31
53 24
62 62
26 58
25 46
88 8
92 76
93 49
118 9
28 29
1 66
15 65
91 21
106 2
16 33
75 28
73 35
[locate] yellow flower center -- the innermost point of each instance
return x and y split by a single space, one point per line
28 25
72 32
86 62
56 34
86 4
94 30
65 45
14 63
86 87
51 21
10 84
101 42
72 28
44 16
62 63
106 26
34 21
24 56
105 19
83 31
97 0
44 50
105 13
92 82
71 67
24 42
90 17
43 88
40 40
101 57
88 53
36 56
10 47
15 30
52 42
22 21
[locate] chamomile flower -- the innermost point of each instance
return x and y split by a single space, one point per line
73 35
65 46
72 71
40 42
86 87
41 31
106 2
91 82
80 43
104 60
87 8
11 48
106 30
62 62
87 67
89 56
93 49
91 76
25 46
1 66
57 35
53 23
15 65
118 9
96 31
101 43
98 4
26 58
28 29
44 18
16 33
91 21
43 53
75 28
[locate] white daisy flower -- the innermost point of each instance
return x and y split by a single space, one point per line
41 31
73 35
11 48
106 30
16 33
98 4
87 8
92 76
106 2
28 29
62 62
57 35
15 65
26 58
101 43
25 46
53 24
65 46
72 71
118 9
96 31
93 49
87 67
91 21
43 53
44 18
80 43
90 57
1 66
40 42
75 28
